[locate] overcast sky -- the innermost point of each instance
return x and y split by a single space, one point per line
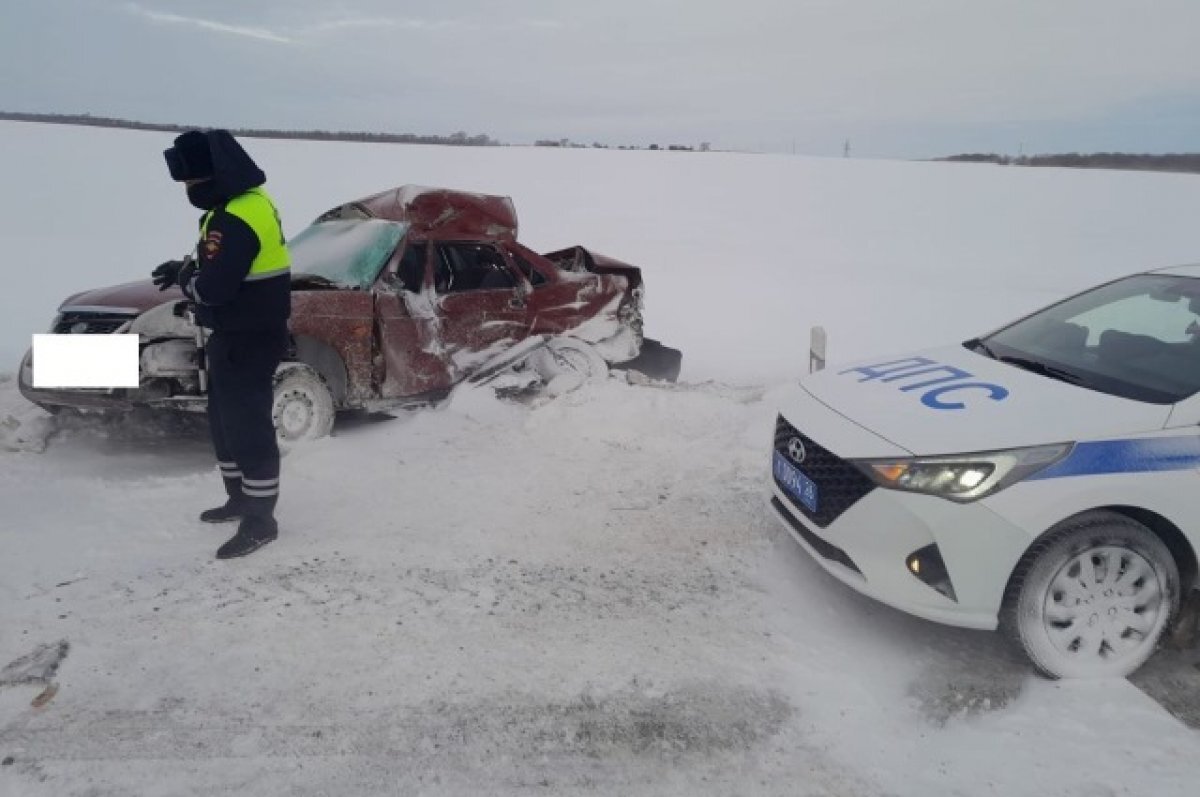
897 78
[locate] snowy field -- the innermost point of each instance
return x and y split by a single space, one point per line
584 596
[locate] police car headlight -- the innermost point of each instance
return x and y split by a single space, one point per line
963 478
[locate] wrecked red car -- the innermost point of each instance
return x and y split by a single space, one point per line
396 298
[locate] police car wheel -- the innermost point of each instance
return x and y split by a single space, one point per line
1092 598
303 406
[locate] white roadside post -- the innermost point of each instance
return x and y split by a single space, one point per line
201 354
816 349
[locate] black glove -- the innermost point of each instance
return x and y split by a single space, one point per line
167 274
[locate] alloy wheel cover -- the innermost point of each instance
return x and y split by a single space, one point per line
1102 607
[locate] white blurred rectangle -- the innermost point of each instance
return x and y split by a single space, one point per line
96 361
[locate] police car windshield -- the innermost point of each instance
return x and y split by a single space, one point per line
1137 337
349 252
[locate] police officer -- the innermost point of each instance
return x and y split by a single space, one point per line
240 283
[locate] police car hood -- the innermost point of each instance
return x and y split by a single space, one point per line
953 400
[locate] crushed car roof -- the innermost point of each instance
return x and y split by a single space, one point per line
436 211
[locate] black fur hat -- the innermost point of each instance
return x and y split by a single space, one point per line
216 158
190 158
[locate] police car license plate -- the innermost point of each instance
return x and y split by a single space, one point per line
795 483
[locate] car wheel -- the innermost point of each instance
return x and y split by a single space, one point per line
303 406
566 363
1092 598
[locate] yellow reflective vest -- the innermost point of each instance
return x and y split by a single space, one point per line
258 211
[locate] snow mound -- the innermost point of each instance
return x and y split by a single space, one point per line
23 426
481 403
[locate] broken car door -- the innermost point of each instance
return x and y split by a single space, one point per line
481 303
414 358
557 300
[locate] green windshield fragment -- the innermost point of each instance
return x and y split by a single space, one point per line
346 252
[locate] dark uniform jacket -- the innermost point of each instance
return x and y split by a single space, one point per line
225 300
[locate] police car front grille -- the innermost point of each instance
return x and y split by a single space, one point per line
90 323
840 485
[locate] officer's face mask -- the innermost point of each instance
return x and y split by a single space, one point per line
190 162
203 194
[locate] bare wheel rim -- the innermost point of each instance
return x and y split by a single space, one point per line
294 413
573 360
1103 606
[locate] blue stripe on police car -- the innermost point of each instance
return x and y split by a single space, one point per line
1126 456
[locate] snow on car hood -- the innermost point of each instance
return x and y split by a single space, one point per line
952 400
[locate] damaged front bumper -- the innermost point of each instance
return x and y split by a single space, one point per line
156 392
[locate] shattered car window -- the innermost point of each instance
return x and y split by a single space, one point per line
528 270
346 252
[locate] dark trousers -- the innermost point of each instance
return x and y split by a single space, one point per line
241 371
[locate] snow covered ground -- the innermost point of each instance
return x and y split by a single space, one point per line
583 596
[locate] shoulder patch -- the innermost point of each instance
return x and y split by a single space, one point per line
211 244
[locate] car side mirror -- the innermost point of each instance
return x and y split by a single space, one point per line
520 294
392 281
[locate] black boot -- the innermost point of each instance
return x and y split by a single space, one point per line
258 527
232 509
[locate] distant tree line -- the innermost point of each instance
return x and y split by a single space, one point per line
568 144
1099 160
461 138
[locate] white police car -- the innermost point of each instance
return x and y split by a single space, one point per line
1044 478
